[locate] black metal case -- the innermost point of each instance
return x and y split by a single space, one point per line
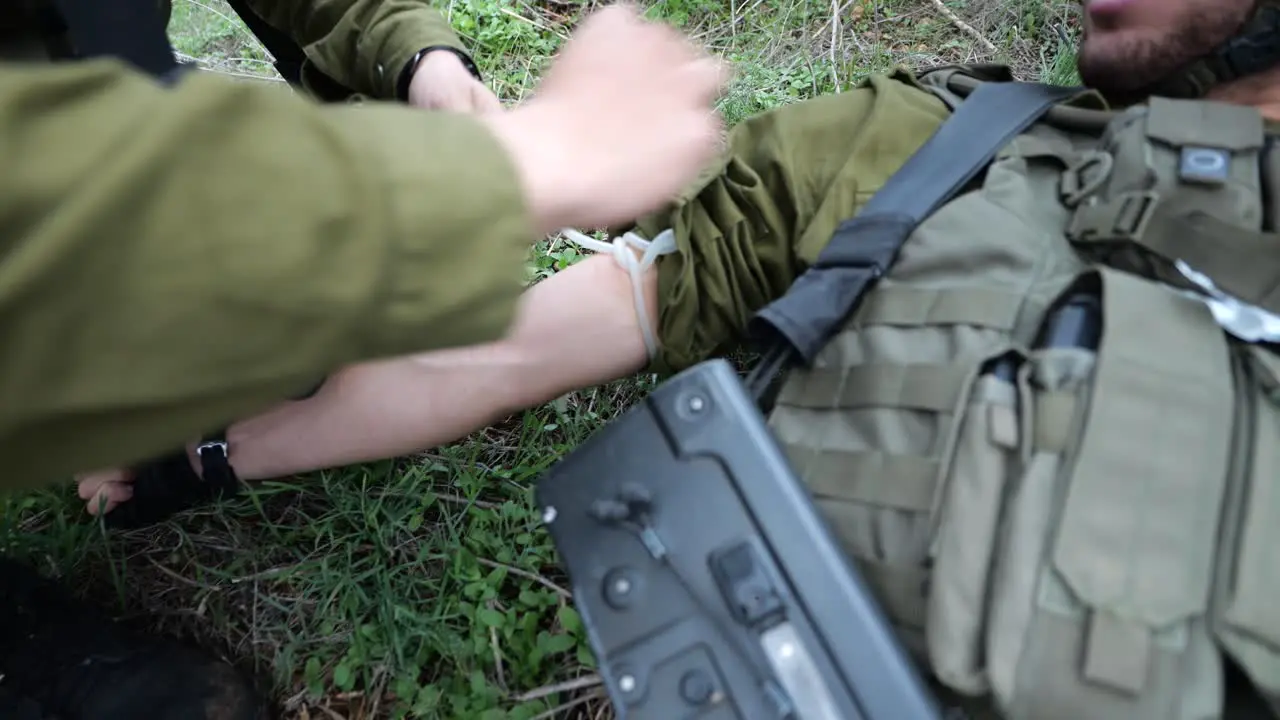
708 583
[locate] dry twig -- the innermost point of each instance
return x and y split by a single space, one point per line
964 26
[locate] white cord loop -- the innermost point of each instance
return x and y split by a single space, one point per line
624 249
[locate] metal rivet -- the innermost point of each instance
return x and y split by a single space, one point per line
696 688
617 587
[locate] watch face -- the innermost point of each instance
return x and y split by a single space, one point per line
208 445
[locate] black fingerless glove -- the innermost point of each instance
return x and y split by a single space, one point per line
169 485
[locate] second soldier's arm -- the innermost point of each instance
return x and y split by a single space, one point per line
174 259
362 44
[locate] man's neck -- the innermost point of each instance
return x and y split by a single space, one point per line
1262 91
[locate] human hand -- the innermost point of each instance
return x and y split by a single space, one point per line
103 490
622 121
442 82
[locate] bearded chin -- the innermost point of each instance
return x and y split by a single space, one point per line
1130 71
1101 70
1127 69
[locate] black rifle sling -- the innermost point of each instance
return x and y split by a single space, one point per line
796 326
131 30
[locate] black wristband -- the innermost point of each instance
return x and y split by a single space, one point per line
215 464
411 67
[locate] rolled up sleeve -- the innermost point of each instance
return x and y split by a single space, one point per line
789 177
361 44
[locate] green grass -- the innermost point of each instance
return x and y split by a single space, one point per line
424 587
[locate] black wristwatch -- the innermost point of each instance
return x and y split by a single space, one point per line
215 463
411 67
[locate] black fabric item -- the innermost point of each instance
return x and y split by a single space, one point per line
1253 50
169 485
1257 48
797 325
215 466
131 30
165 487
77 664
134 30
288 55
15 707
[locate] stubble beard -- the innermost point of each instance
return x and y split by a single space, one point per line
1133 68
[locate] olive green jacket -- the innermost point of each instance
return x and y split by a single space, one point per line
362 44
174 259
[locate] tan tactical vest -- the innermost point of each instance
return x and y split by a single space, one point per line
1097 538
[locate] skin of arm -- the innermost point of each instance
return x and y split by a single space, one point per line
576 329
396 406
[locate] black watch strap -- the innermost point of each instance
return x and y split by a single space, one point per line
215 465
411 67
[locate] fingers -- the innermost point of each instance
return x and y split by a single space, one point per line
622 120
88 483
708 76
108 498
103 490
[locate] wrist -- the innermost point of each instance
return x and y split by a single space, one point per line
410 68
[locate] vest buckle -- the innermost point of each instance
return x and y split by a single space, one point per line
1084 176
1122 218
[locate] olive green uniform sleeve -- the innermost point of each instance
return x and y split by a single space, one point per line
172 260
788 178
362 44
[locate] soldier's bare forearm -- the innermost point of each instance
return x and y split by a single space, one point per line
574 330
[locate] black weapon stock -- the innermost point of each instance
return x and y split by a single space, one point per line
708 584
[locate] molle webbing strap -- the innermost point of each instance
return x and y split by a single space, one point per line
798 324
918 387
913 306
851 477
1242 263
131 30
